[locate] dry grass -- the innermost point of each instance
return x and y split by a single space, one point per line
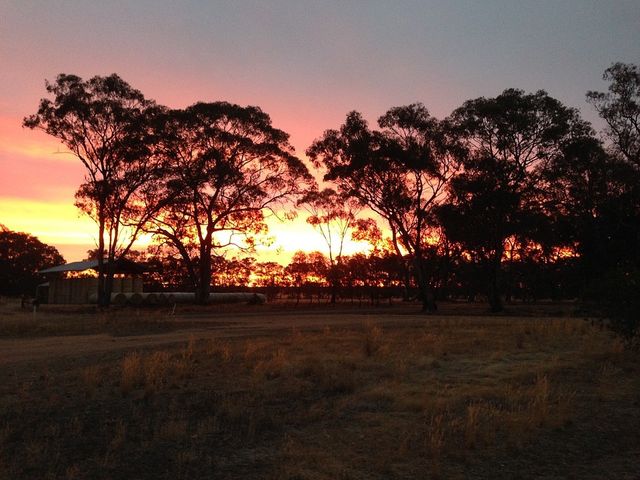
391 398
57 321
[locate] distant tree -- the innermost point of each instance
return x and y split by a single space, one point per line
21 257
165 267
225 169
104 122
269 276
400 172
234 272
333 216
620 109
509 139
306 270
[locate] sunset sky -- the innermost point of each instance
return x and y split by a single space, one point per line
306 63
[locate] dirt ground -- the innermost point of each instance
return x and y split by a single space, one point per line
319 392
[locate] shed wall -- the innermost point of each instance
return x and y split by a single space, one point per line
79 290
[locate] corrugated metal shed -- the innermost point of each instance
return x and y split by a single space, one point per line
122 266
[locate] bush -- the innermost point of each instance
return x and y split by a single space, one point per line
620 305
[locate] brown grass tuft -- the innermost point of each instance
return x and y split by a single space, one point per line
131 376
372 340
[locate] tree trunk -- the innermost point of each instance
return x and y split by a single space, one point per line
108 281
406 281
426 295
203 287
493 287
101 271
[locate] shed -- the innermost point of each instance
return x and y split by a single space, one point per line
68 285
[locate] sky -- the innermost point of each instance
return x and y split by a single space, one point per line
304 62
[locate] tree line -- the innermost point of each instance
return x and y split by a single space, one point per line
517 178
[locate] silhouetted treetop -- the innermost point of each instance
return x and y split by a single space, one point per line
225 166
620 108
517 127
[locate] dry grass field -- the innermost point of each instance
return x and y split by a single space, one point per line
275 393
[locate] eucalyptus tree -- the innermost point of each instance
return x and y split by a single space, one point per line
500 193
333 216
226 168
104 122
400 172
620 109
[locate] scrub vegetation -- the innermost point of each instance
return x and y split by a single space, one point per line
379 394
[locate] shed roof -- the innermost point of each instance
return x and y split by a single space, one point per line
122 266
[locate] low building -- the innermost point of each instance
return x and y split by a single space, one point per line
77 282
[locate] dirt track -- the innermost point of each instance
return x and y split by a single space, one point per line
27 350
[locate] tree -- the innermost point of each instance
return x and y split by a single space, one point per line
620 109
333 216
104 122
21 257
225 169
586 189
618 216
400 172
306 270
234 272
509 139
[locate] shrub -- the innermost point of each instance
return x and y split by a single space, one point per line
620 305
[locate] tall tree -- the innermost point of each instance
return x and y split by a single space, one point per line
103 121
585 187
226 168
333 216
21 257
400 172
509 139
620 109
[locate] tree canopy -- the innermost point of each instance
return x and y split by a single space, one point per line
225 167
104 122
400 172
21 257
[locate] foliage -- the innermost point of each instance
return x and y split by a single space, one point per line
511 197
21 257
332 215
400 172
104 122
618 216
620 108
619 304
509 139
225 168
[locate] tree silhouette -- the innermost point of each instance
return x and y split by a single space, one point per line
21 257
333 216
620 108
104 122
618 212
225 167
400 172
306 270
509 139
